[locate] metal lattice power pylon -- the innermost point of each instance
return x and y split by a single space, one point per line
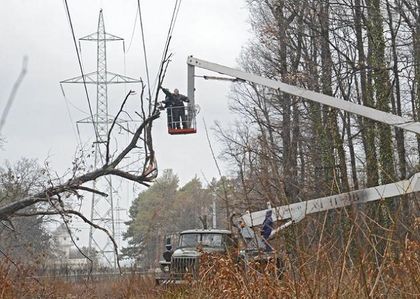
102 208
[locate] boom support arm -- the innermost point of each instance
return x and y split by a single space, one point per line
297 211
377 115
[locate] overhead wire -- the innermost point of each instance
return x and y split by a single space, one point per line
144 49
133 31
175 17
126 50
70 117
168 39
81 69
68 102
171 26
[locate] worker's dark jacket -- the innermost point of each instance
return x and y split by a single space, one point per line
173 100
169 99
267 226
179 100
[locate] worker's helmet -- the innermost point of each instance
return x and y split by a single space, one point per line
176 91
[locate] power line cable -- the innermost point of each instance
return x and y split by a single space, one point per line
171 24
144 49
176 16
165 47
68 102
69 113
81 68
168 39
133 31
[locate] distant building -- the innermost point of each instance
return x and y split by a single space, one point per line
67 254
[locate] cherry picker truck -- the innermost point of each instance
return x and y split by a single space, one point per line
295 212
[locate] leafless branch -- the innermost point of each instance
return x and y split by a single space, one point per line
75 183
91 190
75 243
131 92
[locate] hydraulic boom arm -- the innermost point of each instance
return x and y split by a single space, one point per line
297 211
380 116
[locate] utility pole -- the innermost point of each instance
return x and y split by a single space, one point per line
214 211
102 208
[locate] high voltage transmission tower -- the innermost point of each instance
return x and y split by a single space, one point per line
103 210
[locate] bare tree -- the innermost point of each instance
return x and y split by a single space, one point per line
55 197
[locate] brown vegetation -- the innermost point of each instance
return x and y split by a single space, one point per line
222 277
400 278
19 282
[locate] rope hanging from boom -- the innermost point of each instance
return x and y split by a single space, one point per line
205 77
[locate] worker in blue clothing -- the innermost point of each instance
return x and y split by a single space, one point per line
267 228
168 253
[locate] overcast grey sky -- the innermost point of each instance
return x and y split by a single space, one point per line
41 126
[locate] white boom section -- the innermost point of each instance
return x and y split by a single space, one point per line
377 115
297 211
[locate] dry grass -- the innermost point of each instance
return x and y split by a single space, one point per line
221 277
396 278
20 283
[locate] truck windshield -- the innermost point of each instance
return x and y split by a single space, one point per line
208 240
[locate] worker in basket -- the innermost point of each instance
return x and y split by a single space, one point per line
174 102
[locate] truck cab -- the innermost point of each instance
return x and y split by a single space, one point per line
184 260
